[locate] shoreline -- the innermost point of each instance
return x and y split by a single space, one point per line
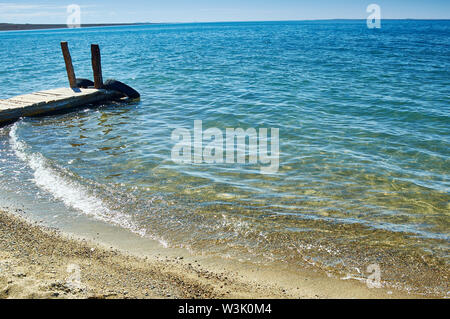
30 26
39 262
26 26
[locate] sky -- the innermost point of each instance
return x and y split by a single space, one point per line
125 11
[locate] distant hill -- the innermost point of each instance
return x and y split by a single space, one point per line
12 26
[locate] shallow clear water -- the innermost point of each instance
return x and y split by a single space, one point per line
364 140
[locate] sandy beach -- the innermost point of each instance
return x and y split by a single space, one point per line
38 262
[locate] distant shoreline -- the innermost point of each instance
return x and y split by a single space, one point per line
27 26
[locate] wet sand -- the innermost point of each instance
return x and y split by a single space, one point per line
38 262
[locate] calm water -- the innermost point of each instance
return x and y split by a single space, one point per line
364 140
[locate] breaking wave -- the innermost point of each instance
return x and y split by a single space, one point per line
56 181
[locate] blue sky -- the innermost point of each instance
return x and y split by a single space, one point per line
107 11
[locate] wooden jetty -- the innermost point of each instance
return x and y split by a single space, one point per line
62 99
50 102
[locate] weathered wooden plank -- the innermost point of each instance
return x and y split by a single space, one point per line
69 65
97 66
10 103
47 102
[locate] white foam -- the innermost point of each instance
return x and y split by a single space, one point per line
71 193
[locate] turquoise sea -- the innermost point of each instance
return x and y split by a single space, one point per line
364 133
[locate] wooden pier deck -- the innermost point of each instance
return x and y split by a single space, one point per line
66 99
51 101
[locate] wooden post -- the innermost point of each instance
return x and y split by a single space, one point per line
69 65
97 66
